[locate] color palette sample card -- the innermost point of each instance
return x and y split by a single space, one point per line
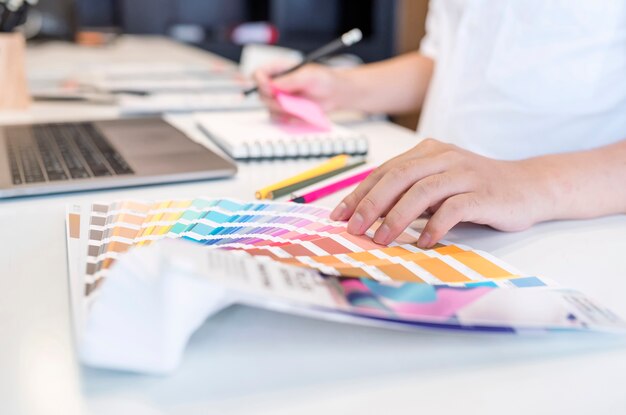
263 281
155 297
399 279
291 233
150 272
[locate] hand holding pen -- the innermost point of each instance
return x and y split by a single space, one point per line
318 83
346 40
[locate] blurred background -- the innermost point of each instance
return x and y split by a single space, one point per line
390 27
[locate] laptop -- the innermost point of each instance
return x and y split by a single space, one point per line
40 159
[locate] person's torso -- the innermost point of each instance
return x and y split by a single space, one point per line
515 79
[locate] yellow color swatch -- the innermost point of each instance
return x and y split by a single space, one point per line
442 271
481 265
398 272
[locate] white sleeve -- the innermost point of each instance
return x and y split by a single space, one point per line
430 44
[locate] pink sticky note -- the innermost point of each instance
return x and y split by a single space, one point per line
303 109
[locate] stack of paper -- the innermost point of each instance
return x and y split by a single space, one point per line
186 102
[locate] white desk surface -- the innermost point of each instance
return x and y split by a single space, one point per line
247 361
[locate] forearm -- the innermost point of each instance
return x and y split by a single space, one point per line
394 86
583 184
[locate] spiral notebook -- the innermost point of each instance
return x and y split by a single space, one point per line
251 135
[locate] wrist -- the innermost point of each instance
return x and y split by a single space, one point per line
543 187
347 89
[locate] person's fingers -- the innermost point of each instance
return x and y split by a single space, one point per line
426 192
345 209
460 208
390 188
263 83
306 80
432 209
263 75
294 82
273 106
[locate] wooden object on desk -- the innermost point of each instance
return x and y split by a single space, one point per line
13 86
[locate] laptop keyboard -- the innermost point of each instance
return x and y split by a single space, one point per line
54 152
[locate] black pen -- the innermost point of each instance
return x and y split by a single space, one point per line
347 39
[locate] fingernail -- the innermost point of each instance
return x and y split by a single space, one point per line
424 240
382 234
339 212
354 226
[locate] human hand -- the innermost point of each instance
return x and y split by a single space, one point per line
454 184
315 82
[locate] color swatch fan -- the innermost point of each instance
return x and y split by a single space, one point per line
149 273
291 233
295 235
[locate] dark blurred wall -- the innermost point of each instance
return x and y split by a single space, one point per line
97 13
302 24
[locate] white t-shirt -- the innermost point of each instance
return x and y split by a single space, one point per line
519 78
